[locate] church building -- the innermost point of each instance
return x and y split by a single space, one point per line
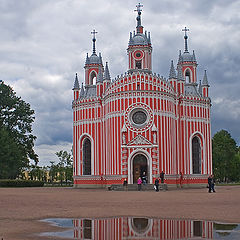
141 122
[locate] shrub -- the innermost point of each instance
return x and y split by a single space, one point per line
20 183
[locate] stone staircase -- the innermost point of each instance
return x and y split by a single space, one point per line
134 187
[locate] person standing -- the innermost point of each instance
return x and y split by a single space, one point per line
181 180
125 184
139 183
162 179
144 178
209 183
213 183
157 185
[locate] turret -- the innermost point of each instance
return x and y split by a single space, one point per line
139 48
188 62
76 88
172 76
205 85
92 64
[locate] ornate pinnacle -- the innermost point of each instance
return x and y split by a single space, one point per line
185 38
94 40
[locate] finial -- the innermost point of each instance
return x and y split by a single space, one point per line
172 73
139 27
205 79
76 83
185 38
94 40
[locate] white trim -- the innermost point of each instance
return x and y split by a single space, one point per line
92 152
202 148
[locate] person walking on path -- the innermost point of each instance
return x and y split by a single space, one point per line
209 183
157 185
139 183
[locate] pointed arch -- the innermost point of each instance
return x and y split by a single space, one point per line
93 78
188 75
86 156
197 153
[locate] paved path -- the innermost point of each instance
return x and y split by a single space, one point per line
21 208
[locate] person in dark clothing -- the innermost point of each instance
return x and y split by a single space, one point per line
209 183
157 185
213 184
144 178
162 176
125 184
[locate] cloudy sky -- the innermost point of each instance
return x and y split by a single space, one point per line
44 43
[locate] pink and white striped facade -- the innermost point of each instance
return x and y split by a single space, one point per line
141 121
142 228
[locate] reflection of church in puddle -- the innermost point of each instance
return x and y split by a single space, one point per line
141 228
141 122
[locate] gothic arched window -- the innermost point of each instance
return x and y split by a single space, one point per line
93 78
86 157
188 76
196 155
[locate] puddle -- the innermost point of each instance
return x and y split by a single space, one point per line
140 228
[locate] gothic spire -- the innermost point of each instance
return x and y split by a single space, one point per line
76 83
172 73
100 75
82 91
205 79
200 88
179 73
94 41
106 73
185 39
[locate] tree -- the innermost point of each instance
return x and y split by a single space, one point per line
16 118
225 151
65 166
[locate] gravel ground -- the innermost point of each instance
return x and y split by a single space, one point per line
22 208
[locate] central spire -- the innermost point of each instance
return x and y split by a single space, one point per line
139 26
185 39
94 40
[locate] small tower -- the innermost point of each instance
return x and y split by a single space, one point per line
205 85
172 76
92 64
76 88
139 48
188 62
106 78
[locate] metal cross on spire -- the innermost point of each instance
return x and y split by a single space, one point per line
94 40
139 6
185 38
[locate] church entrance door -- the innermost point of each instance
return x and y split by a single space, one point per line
139 167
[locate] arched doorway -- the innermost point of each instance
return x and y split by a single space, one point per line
139 167
196 155
86 157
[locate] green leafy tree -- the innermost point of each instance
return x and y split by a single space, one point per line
16 118
65 166
225 157
12 159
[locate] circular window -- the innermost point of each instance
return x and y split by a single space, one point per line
138 54
139 117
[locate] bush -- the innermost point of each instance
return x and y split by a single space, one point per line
20 183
